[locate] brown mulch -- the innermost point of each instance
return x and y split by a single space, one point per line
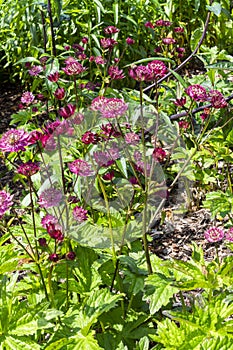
172 239
9 100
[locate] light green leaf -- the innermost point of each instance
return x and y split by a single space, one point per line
143 344
85 342
27 59
158 291
148 59
216 8
179 78
121 163
21 343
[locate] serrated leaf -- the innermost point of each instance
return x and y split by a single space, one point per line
159 291
222 65
20 343
217 344
143 344
85 342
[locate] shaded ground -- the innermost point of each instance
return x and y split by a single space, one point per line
172 239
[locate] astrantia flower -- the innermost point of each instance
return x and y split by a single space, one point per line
67 111
131 138
183 124
48 220
141 73
27 98
43 60
130 41
159 154
162 23
168 41
53 77
197 92
115 73
35 70
77 47
84 40
55 232
79 214
50 197
103 158
97 103
108 43
178 30
111 30
149 25
34 136
90 138
89 86
108 176
113 151
180 102
59 93
100 60
49 143
73 68
28 169
109 131
64 128
77 118
140 166
113 107
217 99
14 140
229 234
80 167
214 234
5 202
158 68
54 257
42 242
70 255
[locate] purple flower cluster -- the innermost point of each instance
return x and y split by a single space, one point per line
81 168
73 67
216 234
5 202
28 169
109 107
159 154
79 214
14 140
153 71
51 197
198 93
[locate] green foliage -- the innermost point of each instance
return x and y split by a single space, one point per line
92 282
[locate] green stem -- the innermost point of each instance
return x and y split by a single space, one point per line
50 286
109 218
144 213
33 220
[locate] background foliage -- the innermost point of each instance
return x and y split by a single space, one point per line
22 24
